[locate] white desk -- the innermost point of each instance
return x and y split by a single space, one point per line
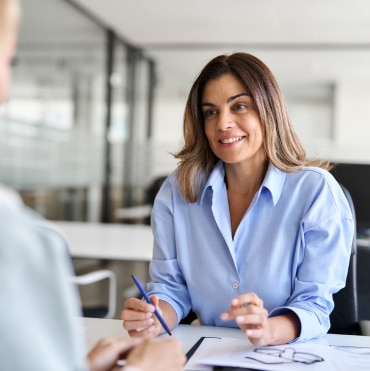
134 212
365 241
130 242
95 329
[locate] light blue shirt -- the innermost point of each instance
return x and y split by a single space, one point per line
292 248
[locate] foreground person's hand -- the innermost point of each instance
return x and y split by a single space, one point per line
158 355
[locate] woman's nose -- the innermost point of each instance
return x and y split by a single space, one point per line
225 120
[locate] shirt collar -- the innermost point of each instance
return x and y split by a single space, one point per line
215 180
273 181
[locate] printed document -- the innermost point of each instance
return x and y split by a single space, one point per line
288 357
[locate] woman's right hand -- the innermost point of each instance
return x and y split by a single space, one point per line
139 319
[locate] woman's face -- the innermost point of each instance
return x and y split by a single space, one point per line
7 50
231 121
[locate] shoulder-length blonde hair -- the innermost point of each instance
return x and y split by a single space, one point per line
281 143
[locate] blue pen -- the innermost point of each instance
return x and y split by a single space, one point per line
148 300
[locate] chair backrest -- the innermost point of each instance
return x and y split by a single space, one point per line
344 317
101 311
363 286
106 310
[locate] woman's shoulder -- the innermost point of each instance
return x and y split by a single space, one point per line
314 180
314 174
168 186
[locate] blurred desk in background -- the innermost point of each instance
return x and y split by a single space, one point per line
363 241
136 213
129 242
122 248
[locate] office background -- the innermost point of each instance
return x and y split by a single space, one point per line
100 87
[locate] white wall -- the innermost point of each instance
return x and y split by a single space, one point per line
168 117
336 128
351 129
352 111
167 132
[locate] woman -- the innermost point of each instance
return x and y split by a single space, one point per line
247 231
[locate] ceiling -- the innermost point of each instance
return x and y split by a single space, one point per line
303 42
204 22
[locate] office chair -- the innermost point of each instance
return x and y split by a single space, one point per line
141 214
107 310
100 311
344 317
363 278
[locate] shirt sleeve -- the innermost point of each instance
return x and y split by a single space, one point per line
326 235
167 279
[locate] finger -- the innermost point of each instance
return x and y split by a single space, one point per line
148 332
123 345
231 314
246 299
138 305
256 320
245 312
131 315
250 309
242 304
138 325
225 316
255 333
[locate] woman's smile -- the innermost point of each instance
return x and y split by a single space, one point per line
231 140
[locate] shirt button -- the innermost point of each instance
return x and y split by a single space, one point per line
235 285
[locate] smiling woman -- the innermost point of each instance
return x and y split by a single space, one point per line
246 74
276 229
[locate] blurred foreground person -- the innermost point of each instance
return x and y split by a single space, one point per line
39 325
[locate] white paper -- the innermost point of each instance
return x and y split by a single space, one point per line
288 357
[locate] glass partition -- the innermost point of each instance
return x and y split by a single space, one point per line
71 112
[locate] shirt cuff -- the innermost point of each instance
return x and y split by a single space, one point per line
310 326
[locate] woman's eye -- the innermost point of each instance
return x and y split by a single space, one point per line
239 106
209 113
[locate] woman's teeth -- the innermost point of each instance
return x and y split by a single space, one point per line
230 140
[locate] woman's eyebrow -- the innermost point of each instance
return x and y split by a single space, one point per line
208 104
237 96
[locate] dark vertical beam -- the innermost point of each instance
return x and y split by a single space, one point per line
106 196
150 97
132 58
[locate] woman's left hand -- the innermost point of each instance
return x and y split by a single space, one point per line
251 316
